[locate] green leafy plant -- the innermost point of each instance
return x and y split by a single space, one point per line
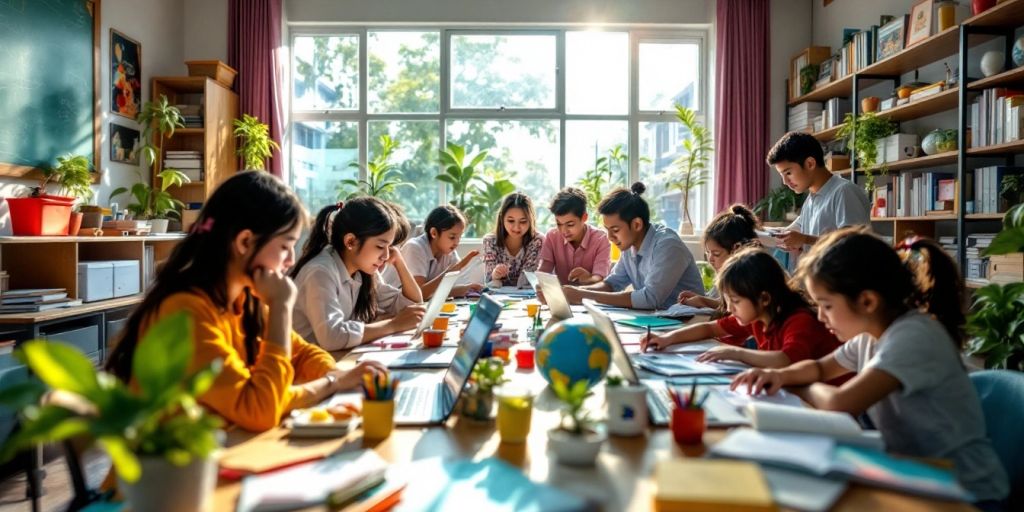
156 416
485 199
459 175
159 119
1012 188
573 397
947 140
779 201
255 146
862 133
72 173
808 75
613 381
595 181
381 176
475 190
1011 238
488 374
153 203
692 165
996 322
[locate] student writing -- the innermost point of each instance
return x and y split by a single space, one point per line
728 232
434 253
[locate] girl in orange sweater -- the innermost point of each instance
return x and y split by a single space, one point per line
229 273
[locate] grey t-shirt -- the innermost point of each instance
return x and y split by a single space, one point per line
837 204
937 412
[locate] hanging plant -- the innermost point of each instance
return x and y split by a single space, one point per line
861 134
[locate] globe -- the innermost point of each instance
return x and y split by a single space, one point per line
573 350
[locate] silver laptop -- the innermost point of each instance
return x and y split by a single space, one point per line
554 296
424 400
436 301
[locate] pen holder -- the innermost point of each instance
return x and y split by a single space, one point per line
378 418
687 425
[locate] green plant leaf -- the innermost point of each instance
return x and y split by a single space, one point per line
163 355
125 462
44 425
61 366
22 394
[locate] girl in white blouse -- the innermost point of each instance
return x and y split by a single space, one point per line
342 301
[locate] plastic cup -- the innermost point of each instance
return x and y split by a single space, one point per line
524 358
441 323
448 307
515 413
532 308
378 418
432 338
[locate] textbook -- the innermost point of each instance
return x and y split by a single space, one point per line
37 307
710 485
776 417
653 322
683 365
684 311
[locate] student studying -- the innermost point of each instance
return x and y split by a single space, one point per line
514 247
434 253
576 251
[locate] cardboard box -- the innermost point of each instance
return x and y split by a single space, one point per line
95 280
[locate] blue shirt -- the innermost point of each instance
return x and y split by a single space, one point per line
661 269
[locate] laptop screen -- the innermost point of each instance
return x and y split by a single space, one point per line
436 301
619 356
479 328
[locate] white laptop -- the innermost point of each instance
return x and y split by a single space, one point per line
427 400
553 295
444 288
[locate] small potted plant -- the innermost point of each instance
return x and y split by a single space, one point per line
577 440
478 400
160 440
779 205
34 215
255 145
155 205
808 76
627 407
74 176
862 134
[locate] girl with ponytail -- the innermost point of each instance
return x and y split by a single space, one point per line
229 275
343 302
728 232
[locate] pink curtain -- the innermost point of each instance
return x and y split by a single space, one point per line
741 101
254 41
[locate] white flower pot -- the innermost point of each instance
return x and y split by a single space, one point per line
575 450
158 226
992 62
627 410
164 487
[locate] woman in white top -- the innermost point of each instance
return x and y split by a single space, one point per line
342 302
432 254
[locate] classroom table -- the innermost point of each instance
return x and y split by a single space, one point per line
621 479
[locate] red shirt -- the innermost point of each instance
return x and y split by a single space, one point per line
800 336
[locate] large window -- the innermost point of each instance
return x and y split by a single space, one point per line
551 107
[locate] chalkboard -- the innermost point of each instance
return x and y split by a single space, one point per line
49 78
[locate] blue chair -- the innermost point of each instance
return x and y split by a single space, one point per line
1002 401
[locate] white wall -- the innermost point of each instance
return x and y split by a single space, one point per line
206 30
790 26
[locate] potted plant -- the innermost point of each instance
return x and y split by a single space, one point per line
779 205
478 400
861 134
808 75
1012 190
255 145
692 165
994 324
576 441
627 407
74 176
160 440
156 205
380 179
46 214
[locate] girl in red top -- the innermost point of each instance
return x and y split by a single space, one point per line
761 304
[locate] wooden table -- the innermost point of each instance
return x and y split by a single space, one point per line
621 479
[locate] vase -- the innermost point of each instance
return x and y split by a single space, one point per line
931 141
992 62
576 450
947 14
164 487
75 223
870 104
477 406
1018 52
158 226
980 6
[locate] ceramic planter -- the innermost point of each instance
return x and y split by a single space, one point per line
575 450
158 226
478 405
870 104
164 487
627 410
75 223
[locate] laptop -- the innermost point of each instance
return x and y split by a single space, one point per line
659 403
425 400
444 288
553 295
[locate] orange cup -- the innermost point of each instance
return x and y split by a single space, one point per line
687 425
433 338
441 323
448 307
502 352
532 308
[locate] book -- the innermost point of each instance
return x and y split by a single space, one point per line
768 417
33 299
26 292
653 322
709 485
684 365
683 311
40 307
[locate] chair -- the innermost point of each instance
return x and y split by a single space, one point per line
1002 402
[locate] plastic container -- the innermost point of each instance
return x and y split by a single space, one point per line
40 216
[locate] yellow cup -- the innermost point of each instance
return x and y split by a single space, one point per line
448 307
532 308
515 413
441 323
378 418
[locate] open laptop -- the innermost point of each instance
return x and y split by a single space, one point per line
444 288
553 295
425 400
659 403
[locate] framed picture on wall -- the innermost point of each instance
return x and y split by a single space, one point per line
920 27
125 144
125 75
890 38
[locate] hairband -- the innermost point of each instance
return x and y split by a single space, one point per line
330 218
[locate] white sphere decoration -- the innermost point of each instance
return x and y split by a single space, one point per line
992 62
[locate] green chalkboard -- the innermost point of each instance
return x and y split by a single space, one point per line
48 80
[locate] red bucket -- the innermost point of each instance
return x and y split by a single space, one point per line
43 215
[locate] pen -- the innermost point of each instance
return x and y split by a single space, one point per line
648 334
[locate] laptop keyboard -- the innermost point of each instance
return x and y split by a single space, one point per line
660 404
414 401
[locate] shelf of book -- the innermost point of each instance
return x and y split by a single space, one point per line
1005 148
920 218
1012 77
940 102
57 314
1006 14
948 157
984 216
840 88
937 47
974 284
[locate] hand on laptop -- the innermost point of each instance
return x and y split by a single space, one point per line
757 380
409 317
463 290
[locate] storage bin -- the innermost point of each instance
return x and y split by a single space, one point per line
86 339
95 280
214 69
126 277
39 216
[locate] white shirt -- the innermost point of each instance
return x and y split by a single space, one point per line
837 204
327 296
420 260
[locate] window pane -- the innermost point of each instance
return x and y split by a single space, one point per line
414 161
659 147
404 72
326 73
321 154
511 71
597 73
524 152
669 74
585 143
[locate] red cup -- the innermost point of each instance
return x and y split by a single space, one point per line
432 338
524 358
687 425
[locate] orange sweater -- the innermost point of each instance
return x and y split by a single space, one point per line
252 397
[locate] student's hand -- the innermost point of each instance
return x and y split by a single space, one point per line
654 342
579 275
409 317
499 272
394 254
274 288
462 290
465 261
757 380
700 301
685 295
719 354
573 295
791 240
354 377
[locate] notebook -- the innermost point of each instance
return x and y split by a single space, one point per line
653 322
709 485
779 417
684 311
684 365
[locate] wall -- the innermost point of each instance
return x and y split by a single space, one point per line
157 26
791 23
206 30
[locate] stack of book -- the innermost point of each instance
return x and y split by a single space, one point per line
929 90
988 182
858 52
1006 268
834 112
191 115
186 161
36 300
930 193
996 117
950 245
977 265
804 117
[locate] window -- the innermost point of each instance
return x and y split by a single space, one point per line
552 107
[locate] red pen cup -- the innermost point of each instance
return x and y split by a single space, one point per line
524 358
433 338
687 425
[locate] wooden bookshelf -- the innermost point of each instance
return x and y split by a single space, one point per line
975 284
937 47
58 314
1005 148
1014 76
934 104
919 218
829 134
949 157
1005 14
840 88
985 216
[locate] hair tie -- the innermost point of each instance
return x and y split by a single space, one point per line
203 227
907 250
330 219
